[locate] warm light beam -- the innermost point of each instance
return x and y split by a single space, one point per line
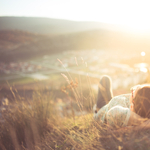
131 14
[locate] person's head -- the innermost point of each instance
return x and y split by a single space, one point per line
141 100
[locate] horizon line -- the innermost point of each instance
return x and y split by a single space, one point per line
62 19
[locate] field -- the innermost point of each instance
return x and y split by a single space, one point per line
56 112
49 80
61 118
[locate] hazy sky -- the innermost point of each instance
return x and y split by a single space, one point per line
132 13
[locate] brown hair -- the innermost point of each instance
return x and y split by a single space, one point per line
142 101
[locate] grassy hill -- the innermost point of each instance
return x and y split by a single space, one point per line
39 123
13 41
34 117
49 26
20 45
24 38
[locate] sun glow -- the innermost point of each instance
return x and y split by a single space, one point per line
142 53
142 67
143 70
132 15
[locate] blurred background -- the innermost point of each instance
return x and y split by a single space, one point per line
89 37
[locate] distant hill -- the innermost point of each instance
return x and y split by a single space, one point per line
20 45
23 38
17 36
13 41
49 26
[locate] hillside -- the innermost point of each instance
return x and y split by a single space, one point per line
24 38
11 42
17 36
49 26
20 45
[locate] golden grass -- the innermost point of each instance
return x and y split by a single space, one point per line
37 125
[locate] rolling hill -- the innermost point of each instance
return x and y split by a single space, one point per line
20 45
27 38
50 26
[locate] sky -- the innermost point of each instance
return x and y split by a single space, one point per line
133 14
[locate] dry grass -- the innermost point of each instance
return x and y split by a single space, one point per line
37 125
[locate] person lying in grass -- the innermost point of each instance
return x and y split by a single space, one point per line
123 110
